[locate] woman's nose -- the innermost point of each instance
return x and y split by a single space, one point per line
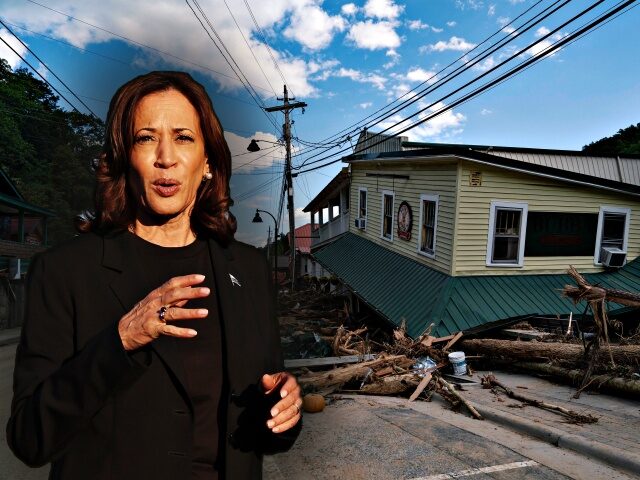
165 153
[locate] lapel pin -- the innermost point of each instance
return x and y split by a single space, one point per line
234 280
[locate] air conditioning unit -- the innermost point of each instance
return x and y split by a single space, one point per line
361 223
612 257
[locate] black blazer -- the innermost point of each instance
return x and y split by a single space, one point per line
98 412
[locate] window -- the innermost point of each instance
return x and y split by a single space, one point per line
428 225
362 202
507 228
387 215
613 230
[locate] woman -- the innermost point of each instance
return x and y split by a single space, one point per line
150 347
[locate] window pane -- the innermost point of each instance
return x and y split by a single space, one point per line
363 203
388 219
428 226
505 249
506 236
613 230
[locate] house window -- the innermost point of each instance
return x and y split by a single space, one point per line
428 225
362 203
507 229
387 214
613 230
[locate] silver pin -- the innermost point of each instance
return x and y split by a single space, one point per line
234 280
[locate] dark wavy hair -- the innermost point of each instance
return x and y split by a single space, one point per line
115 206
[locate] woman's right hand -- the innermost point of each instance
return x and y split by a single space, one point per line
143 324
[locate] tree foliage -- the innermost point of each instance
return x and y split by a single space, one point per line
45 150
626 141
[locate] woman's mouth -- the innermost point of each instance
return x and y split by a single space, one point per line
166 187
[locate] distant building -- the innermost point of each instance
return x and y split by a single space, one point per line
465 235
305 263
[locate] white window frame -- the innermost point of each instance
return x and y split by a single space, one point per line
366 199
429 198
495 205
393 206
609 209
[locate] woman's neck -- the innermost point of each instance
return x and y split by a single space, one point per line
175 232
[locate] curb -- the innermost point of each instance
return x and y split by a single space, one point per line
554 436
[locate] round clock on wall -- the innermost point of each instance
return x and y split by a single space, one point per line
404 221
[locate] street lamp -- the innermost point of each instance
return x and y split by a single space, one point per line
254 147
258 219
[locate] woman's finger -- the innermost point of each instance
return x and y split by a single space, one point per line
291 398
285 414
176 295
176 313
289 385
178 282
173 331
283 427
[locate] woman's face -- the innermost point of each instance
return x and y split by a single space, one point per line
168 156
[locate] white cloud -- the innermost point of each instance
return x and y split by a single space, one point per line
454 43
374 35
444 126
172 28
365 105
472 4
437 30
6 53
313 28
484 65
395 59
542 31
502 21
452 23
486 111
515 2
417 25
492 10
419 75
542 45
243 161
349 9
374 79
383 9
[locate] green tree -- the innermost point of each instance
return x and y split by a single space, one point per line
47 151
626 141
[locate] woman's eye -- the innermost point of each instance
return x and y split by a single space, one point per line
143 138
185 138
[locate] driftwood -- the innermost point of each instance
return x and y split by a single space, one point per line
464 401
514 349
490 381
391 385
327 382
605 383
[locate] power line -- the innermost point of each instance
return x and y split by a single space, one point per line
250 49
523 65
128 39
459 70
266 43
47 67
238 72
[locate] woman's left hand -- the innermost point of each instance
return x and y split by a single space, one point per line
286 413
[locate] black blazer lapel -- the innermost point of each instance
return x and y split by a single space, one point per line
118 256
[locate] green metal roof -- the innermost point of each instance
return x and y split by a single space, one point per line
400 288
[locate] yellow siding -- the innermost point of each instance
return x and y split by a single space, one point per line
540 194
432 179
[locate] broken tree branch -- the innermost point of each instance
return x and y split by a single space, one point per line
466 403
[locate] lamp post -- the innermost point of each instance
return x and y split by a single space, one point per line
258 219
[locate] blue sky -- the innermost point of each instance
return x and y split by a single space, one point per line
346 60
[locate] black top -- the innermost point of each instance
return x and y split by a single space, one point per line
201 354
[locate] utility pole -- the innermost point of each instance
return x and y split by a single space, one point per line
286 107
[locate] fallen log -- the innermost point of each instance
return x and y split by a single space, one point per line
331 380
392 385
490 381
625 355
604 383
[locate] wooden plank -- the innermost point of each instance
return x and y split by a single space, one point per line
452 341
421 386
524 334
324 361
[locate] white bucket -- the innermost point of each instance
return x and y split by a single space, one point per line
458 362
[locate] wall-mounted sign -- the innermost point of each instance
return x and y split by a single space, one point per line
404 221
475 179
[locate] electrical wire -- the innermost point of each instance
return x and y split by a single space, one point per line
474 80
140 44
523 65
